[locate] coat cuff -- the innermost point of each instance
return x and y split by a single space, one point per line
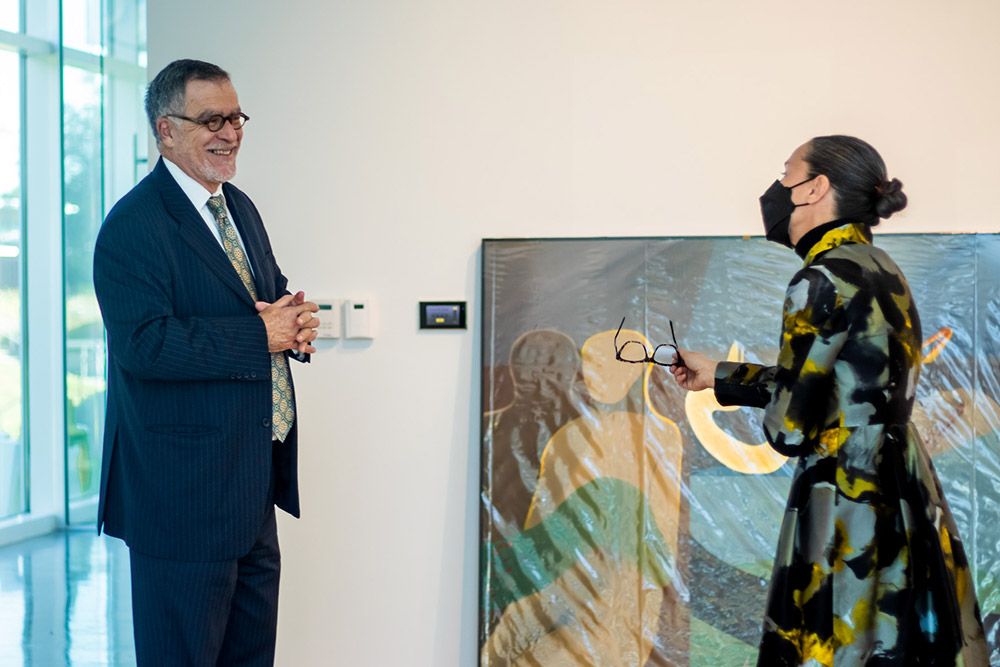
741 384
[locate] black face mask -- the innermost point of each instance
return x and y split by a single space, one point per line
776 209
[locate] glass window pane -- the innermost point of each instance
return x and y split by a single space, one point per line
12 451
82 25
105 138
10 15
83 212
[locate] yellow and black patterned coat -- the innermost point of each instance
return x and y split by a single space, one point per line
870 569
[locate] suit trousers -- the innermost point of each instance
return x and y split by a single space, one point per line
203 614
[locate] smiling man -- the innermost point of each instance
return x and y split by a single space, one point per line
201 433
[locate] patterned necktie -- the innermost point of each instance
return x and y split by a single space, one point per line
282 405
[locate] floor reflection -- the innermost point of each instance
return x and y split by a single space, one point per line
65 600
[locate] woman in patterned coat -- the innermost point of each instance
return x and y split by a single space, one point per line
870 569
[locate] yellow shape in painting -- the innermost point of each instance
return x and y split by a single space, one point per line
602 612
934 345
735 454
635 448
643 451
602 609
607 379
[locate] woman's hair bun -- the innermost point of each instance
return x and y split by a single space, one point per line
890 198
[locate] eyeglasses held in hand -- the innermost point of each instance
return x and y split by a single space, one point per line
215 123
636 352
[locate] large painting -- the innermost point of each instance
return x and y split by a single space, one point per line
627 522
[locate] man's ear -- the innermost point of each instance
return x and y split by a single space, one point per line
164 131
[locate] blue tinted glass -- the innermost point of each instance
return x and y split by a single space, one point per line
12 450
82 25
82 215
10 15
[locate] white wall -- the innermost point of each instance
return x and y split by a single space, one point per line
388 138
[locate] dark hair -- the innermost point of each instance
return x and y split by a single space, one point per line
857 174
165 93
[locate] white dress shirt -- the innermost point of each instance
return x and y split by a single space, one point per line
198 195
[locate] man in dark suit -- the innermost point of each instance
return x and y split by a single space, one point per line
201 435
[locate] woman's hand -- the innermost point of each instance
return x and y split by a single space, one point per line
697 373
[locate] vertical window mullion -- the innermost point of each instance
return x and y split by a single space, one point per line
25 283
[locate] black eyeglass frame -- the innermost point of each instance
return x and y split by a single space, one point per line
678 361
215 119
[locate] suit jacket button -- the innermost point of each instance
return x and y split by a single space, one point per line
266 421
253 374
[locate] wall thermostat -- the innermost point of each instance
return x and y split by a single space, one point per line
442 314
358 319
329 318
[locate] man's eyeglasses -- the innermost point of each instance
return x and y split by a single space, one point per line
215 123
636 352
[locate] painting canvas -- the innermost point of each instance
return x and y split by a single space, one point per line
627 522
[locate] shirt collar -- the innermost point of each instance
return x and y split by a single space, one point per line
830 235
194 190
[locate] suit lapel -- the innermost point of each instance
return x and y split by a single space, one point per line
193 230
247 221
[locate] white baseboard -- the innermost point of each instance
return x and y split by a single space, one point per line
26 526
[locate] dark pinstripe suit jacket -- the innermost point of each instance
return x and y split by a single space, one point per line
188 444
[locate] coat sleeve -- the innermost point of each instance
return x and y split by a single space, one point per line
135 290
744 384
799 393
281 289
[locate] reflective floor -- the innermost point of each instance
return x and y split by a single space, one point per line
65 600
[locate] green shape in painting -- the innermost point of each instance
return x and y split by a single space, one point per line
607 514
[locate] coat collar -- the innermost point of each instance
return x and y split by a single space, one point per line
831 235
194 231
254 240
